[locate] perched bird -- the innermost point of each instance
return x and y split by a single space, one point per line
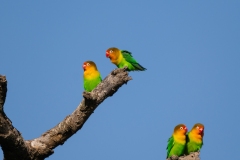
91 76
195 138
177 142
123 58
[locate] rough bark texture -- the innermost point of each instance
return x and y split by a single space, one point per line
16 148
192 156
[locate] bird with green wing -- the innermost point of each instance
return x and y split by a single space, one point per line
177 142
123 58
91 76
195 138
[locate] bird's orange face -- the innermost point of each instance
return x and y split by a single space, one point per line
88 65
181 128
112 53
198 128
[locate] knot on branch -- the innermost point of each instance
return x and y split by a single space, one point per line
38 148
37 144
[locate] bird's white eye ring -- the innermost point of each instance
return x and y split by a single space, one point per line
88 64
111 51
181 127
197 127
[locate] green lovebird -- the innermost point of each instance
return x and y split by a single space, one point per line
123 58
91 76
195 138
177 142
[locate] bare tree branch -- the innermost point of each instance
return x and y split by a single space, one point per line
10 139
15 147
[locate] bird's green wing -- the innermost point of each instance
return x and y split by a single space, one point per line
187 140
129 58
98 80
170 145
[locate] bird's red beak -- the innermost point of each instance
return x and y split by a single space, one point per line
186 129
201 130
107 54
84 67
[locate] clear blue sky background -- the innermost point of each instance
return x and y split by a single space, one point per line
190 49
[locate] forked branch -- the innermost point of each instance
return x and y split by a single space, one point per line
15 147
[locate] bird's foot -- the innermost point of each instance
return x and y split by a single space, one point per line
87 95
118 70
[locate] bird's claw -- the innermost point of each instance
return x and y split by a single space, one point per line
118 70
86 95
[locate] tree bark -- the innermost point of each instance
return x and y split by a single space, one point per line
192 156
16 148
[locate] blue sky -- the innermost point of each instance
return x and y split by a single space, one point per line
190 49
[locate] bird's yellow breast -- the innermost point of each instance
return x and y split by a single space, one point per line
180 138
195 137
91 73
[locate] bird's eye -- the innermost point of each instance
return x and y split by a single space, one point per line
197 127
181 127
111 51
88 64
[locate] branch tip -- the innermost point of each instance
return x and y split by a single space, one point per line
2 78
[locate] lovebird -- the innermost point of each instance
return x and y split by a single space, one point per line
177 142
195 138
123 58
91 76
